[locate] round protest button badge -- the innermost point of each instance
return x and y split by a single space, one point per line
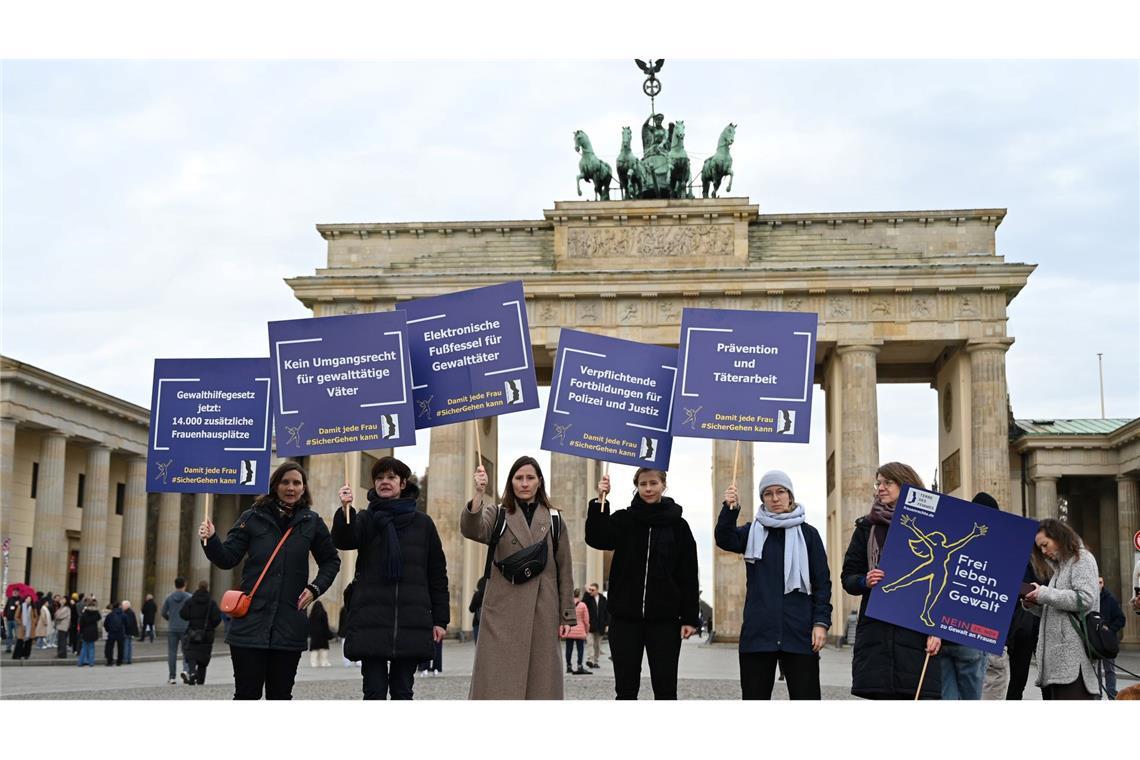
1136 541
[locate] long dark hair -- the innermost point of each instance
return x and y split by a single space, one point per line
540 497
1068 545
306 500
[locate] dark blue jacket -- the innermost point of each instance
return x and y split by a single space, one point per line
1110 612
116 624
775 621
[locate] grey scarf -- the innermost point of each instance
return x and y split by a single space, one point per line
795 547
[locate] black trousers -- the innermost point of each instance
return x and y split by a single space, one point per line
1074 690
758 674
384 677
1021 647
61 644
197 672
271 670
570 644
109 650
661 643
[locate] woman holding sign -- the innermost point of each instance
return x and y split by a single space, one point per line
266 643
400 607
787 607
889 660
1064 670
654 590
528 600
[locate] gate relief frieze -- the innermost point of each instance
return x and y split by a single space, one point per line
686 241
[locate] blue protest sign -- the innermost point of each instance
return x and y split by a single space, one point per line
471 355
209 426
341 383
611 399
952 569
745 375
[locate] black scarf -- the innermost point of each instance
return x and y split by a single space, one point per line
664 512
388 516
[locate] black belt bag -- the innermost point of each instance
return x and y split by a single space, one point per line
524 564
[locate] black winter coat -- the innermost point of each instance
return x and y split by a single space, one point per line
393 619
273 621
888 659
89 624
149 610
203 615
131 622
599 612
775 621
319 633
653 574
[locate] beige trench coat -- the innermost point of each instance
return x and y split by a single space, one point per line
519 655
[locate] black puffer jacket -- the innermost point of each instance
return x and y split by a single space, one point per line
888 658
653 575
89 624
389 618
203 615
273 621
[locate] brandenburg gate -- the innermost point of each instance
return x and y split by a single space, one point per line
902 297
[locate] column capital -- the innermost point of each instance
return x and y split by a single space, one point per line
871 347
1126 478
1045 478
988 344
99 446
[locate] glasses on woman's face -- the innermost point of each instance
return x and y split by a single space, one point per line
774 493
883 483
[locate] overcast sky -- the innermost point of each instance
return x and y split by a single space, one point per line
154 209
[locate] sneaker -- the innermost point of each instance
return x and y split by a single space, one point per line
592 665
569 670
185 678
582 672
172 682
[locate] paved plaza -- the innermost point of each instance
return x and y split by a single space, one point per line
706 672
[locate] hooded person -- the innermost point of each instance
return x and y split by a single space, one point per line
654 590
399 605
787 605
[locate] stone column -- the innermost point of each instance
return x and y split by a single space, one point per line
858 451
729 583
133 552
7 458
1128 517
859 428
326 477
1044 497
166 549
569 489
450 470
199 565
49 555
989 417
1109 559
94 564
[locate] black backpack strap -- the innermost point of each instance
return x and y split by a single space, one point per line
555 528
496 532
